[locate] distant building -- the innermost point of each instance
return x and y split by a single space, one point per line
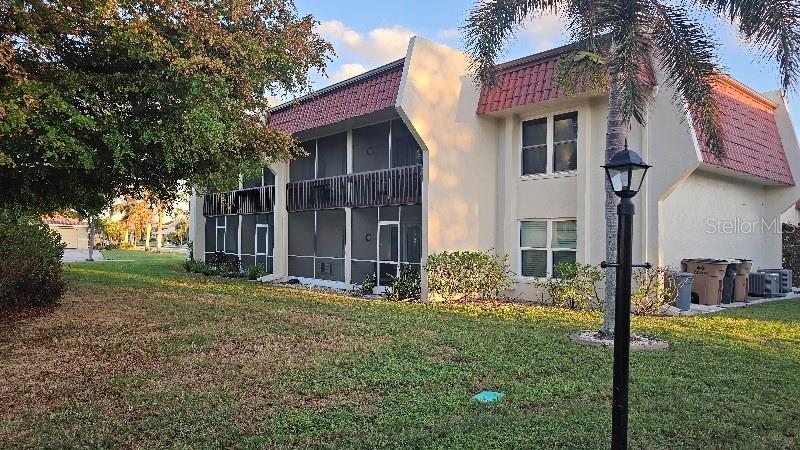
74 232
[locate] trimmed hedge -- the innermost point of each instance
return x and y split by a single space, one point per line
31 273
456 276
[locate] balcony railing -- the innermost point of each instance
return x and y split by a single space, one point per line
398 186
244 201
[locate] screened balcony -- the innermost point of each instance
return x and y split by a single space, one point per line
387 187
244 201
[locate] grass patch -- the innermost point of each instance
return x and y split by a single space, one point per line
142 354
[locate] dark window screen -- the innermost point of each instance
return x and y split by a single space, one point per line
371 147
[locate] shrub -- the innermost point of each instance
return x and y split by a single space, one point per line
225 263
575 285
467 274
653 288
125 245
368 285
406 287
194 266
31 273
254 272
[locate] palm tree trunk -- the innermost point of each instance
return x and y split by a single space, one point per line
160 235
616 135
91 238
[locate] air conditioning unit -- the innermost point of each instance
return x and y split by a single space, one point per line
765 285
785 278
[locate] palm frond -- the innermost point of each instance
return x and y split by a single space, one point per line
582 16
628 21
687 56
490 25
771 25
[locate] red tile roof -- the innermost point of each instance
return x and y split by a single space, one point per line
751 139
531 80
58 219
358 96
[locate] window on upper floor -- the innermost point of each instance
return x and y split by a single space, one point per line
550 144
544 244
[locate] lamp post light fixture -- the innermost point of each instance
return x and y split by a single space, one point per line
625 171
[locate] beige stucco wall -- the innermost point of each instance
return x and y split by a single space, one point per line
437 101
714 216
716 213
578 195
779 199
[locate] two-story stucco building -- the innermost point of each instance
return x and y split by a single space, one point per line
413 158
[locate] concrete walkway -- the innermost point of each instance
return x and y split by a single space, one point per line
80 255
708 309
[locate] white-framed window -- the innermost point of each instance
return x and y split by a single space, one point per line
550 144
544 243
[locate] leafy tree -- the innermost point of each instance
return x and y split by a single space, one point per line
103 99
137 219
181 233
113 231
615 37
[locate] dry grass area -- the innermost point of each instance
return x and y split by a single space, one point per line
142 355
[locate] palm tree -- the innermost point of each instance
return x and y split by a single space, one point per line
617 36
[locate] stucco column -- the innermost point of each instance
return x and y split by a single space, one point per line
348 239
348 218
280 248
426 174
508 180
197 226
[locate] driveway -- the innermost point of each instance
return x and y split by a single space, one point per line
80 255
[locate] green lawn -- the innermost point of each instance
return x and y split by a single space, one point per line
141 354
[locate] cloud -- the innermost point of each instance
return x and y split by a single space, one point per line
346 71
449 34
380 45
545 32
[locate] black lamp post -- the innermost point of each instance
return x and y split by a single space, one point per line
625 171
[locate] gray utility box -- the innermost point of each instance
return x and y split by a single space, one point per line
765 284
684 282
785 278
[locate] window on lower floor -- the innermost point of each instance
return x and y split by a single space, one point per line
544 243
